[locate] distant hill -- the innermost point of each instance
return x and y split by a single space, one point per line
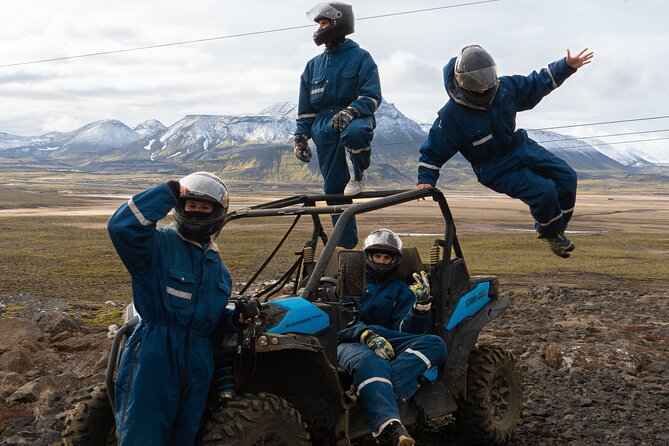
258 148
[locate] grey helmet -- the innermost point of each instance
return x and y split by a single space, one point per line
475 69
199 226
342 21
384 241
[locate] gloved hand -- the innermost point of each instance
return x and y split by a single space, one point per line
248 308
378 343
301 148
421 289
175 188
342 119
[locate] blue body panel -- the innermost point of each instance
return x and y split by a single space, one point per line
469 304
302 317
431 375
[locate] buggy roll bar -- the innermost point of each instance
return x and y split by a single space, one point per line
306 205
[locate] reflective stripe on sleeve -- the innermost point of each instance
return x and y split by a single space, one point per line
306 115
429 166
138 214
550 73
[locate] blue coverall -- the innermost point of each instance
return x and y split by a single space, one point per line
387 309
340 76
180 289
503 158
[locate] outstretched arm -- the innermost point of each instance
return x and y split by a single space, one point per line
584 57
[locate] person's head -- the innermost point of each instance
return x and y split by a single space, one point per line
199 214
335 21
383 249
475 70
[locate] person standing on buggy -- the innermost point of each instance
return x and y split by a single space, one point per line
180 289
479 121
387 351
339 93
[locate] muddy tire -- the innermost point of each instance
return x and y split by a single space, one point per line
254 420
91 422
489 414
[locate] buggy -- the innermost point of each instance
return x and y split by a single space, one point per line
290 390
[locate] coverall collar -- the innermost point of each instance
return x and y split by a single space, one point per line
211 246
346 45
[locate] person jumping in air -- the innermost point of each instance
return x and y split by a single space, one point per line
339 93
479 121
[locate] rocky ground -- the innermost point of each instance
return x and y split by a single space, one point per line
594 365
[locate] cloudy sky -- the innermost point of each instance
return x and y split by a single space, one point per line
628 79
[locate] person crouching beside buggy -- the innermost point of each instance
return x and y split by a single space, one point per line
386 352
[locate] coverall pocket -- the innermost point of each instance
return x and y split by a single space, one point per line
316 89
347 89
180 288
478 137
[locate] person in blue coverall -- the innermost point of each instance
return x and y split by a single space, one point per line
387 351
339 93
479 120
180 289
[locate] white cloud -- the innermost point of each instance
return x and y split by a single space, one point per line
627 79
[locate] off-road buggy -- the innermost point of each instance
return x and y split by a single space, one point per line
290 390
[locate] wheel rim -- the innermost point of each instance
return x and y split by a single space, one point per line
500 394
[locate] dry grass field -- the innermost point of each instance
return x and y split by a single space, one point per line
53 241
589 333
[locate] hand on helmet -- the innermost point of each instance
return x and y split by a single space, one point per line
421 289
342 119
378 343
301 148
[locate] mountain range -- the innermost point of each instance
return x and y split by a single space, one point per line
259 148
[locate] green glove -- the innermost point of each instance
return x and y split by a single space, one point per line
421 289
378 343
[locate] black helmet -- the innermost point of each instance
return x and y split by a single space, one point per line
341 20
475 69
382 241
198 226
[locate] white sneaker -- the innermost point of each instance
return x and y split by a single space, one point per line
355 187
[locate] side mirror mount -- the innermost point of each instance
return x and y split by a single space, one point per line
351 276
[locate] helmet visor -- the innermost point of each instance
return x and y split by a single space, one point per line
324 11
477 80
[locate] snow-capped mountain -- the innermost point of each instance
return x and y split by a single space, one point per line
8 141
150 127
259 146
97 136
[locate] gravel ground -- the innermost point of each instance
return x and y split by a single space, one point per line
594 366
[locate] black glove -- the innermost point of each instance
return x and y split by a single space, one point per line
247 307
301 148
342 119
175 188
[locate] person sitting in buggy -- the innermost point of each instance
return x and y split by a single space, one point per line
387 352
